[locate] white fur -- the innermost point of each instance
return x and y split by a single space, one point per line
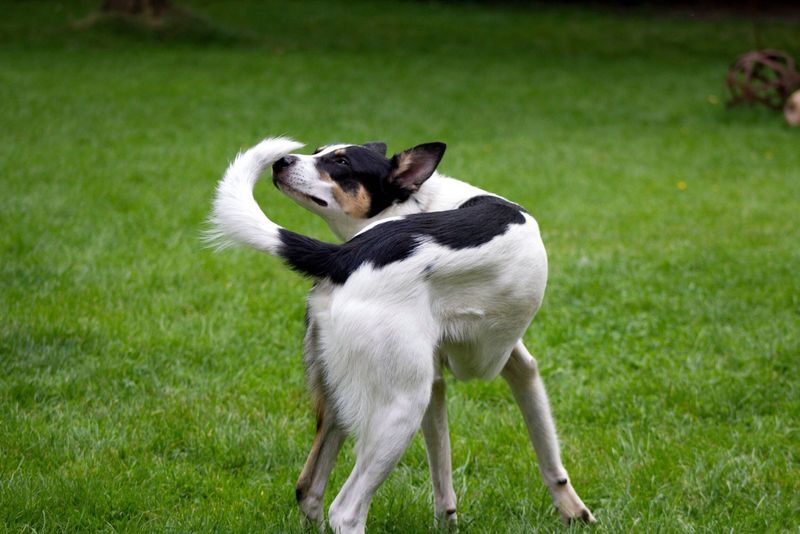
236 217
383 337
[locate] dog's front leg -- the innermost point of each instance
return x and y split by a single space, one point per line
437 442
310 489
522 375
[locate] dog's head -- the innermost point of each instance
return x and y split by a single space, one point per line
356 182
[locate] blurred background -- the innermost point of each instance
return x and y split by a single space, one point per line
149 384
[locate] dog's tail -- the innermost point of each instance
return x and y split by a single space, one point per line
236 218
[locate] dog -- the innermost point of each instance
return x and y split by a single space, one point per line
433 273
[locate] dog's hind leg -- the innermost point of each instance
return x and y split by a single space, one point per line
522 375
310 488
381 443
388 414
437 442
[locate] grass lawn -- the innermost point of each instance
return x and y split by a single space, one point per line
148 384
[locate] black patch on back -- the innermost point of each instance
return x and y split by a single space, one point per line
476 222
359 165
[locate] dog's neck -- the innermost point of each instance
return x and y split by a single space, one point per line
438 193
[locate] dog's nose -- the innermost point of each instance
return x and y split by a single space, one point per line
282 163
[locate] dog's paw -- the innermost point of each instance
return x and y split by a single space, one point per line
584 516
311 516
309 524
569 505
446 520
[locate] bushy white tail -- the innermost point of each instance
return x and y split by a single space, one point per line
236 217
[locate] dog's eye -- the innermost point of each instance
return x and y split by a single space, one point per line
341 161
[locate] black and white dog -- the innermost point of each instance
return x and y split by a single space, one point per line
433 273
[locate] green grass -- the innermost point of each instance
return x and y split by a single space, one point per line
148 384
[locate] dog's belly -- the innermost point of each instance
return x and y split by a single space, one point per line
477 341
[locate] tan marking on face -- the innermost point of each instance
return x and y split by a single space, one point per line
325 177
355 204
340 152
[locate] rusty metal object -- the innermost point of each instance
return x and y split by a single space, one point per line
763 76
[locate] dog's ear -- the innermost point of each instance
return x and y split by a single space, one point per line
376 146
412 167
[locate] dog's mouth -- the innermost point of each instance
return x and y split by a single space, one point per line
316 200
286 188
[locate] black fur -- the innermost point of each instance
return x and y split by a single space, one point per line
356 165
474 223
377 146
